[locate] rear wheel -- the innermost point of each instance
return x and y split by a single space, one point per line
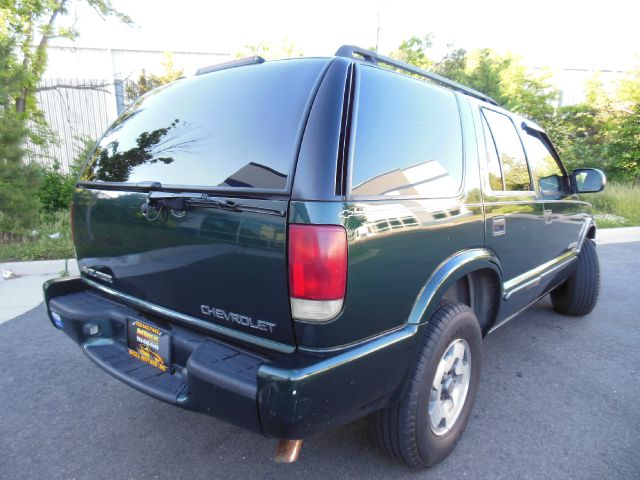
427 422
578 295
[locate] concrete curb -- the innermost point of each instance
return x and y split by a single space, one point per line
42 267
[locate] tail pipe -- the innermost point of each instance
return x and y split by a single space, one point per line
288 451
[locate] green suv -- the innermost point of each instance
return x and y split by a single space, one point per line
292 245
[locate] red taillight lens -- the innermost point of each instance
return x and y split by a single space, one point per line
317 261
317 270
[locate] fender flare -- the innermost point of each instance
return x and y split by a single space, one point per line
446 274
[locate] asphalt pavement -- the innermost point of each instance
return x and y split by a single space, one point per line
559 399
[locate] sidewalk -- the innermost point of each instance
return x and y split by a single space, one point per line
618 235
24 292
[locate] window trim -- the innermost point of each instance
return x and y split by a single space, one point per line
485 129
349 196
532 189
546 141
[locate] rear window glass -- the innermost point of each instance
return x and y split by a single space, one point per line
408 138
232 128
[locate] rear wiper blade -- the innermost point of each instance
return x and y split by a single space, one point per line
183 201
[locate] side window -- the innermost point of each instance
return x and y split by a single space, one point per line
496 180
408 138
544 167
510 152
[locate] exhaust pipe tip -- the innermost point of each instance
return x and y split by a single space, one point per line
288 451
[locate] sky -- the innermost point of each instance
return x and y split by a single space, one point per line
602 35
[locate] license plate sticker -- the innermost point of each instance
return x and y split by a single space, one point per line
150 344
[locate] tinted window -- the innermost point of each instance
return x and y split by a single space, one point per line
510 152
408 139
232 128
544 167
495 169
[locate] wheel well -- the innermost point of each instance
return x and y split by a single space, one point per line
592 233
480 290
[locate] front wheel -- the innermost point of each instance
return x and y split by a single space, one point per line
578 295
427 422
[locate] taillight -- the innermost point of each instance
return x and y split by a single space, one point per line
317 271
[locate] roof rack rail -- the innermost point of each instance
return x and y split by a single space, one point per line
233 63
351 51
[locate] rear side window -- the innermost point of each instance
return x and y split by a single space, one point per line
506 142
408 138
235 128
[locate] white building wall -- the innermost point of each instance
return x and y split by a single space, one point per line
84 103
108 64
572 81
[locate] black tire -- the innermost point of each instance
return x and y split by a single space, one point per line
403 430
578 295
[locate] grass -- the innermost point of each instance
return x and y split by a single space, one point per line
617 206
40 246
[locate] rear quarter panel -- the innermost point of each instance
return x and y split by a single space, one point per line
395 244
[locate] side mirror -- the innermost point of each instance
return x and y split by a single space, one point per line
588 180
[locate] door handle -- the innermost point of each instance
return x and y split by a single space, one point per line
548 216
499 225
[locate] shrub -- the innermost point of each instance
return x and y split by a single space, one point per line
57 188
40 245
19 202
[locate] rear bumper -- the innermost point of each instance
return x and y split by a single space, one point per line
287 396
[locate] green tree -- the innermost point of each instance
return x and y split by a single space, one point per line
31 25
501 77
416 51
26 27
271 50
453 65
147 82
18 205
623 130
578 131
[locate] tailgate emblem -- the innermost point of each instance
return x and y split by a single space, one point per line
92 272
232 317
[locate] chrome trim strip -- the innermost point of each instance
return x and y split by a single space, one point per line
514 315
583 233
441 274
191 321
347 346
534 276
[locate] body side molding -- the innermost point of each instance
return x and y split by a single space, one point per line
534 276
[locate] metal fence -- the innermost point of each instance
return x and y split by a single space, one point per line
76 110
